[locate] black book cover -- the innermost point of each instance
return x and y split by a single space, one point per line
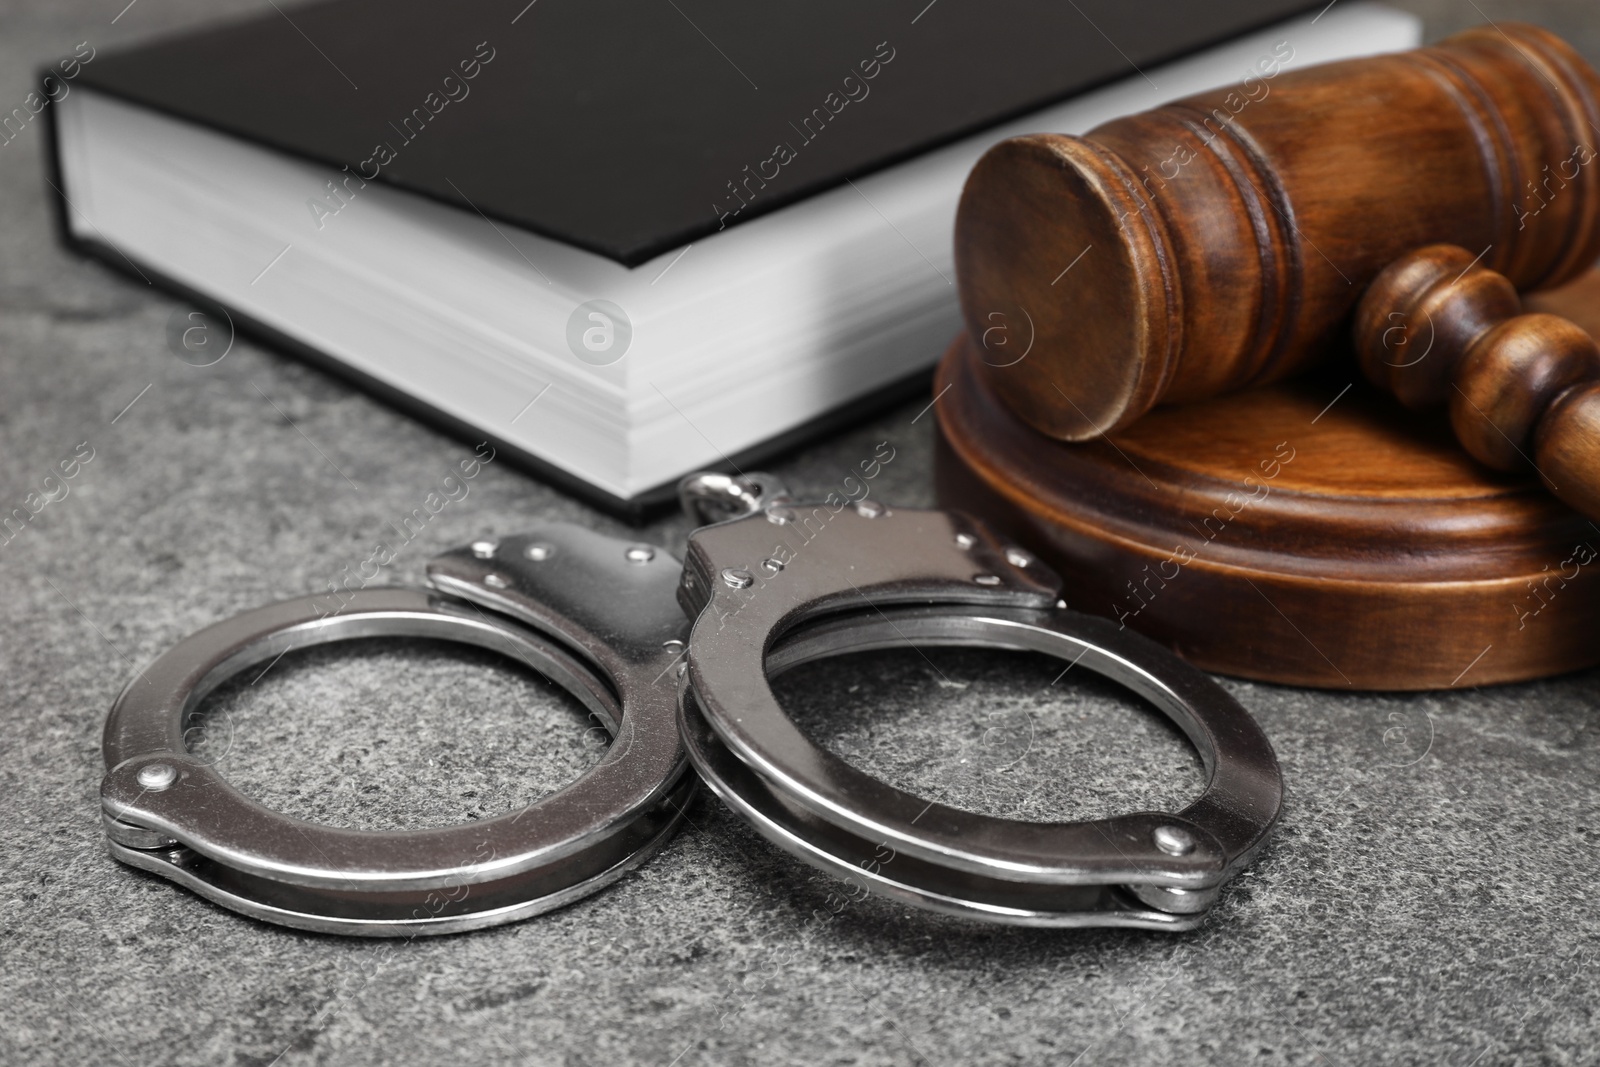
631 127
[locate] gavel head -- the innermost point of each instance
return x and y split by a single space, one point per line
1223 240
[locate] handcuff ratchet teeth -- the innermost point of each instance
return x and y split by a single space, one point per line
770 584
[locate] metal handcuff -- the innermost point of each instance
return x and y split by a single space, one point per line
769 584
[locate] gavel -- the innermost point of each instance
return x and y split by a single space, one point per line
1226 240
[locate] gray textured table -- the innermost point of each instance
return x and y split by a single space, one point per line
1426 899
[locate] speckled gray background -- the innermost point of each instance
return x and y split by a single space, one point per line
1427 899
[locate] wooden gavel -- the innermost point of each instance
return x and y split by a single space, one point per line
1437 327
1224 240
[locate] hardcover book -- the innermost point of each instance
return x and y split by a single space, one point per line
620 241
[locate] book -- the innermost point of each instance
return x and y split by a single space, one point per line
620 242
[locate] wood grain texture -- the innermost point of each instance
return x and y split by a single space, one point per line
1522 390
1301 533
1223 240
1568 439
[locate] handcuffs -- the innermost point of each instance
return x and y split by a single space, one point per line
676 661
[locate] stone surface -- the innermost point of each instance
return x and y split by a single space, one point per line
1422 902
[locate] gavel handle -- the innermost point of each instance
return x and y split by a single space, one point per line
1523 389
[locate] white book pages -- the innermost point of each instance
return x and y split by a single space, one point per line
735 339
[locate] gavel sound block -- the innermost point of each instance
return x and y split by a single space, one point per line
1304 533
1223 241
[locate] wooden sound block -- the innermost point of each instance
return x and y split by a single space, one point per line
1293 534
1577 300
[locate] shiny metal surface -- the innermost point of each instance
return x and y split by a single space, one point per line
849 583
874 866
707 497
583 612
772 585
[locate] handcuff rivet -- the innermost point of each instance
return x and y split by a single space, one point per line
639 554
157 776
771 565
494 581
673 646
1018 558
965 540
737 578
870 509
986 579
1173 840
484 549
539 552
780 516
